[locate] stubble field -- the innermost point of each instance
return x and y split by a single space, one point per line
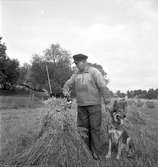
21 121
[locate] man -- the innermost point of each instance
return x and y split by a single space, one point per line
89 86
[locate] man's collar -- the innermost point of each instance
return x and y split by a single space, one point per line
86 70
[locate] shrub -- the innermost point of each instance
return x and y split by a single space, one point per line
140 103
150 104
131 102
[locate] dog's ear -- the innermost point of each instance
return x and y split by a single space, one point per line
123 106
115 106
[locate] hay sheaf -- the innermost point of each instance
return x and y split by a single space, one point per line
58 142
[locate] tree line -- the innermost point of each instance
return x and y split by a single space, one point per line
145 94
9 68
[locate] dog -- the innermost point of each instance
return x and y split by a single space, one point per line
116 132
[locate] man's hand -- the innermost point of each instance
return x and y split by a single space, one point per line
66 93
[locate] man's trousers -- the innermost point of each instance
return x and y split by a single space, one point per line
90 118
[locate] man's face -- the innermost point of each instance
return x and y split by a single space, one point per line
80 65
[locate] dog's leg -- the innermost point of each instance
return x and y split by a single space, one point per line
109 150
120 148
130 147
128 142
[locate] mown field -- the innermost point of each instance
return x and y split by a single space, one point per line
59 143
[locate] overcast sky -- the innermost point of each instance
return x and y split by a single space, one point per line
121 35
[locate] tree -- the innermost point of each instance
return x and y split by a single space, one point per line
100 68
12 72
120 94
147 94
37 74
151 94
59 65
23 72
58 62
9 69
2 60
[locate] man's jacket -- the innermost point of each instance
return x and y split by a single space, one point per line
90 86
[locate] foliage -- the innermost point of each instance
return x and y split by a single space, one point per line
152 94
120 94
59 68
9 69
150 104
100 68
23 72
3 58
37 73
146 94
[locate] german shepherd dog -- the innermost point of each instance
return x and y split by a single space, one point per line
116 132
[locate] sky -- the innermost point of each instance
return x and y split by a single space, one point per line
120 35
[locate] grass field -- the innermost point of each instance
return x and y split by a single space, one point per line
20 118
21 122
16 102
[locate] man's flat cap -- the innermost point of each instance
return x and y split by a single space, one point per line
79 57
